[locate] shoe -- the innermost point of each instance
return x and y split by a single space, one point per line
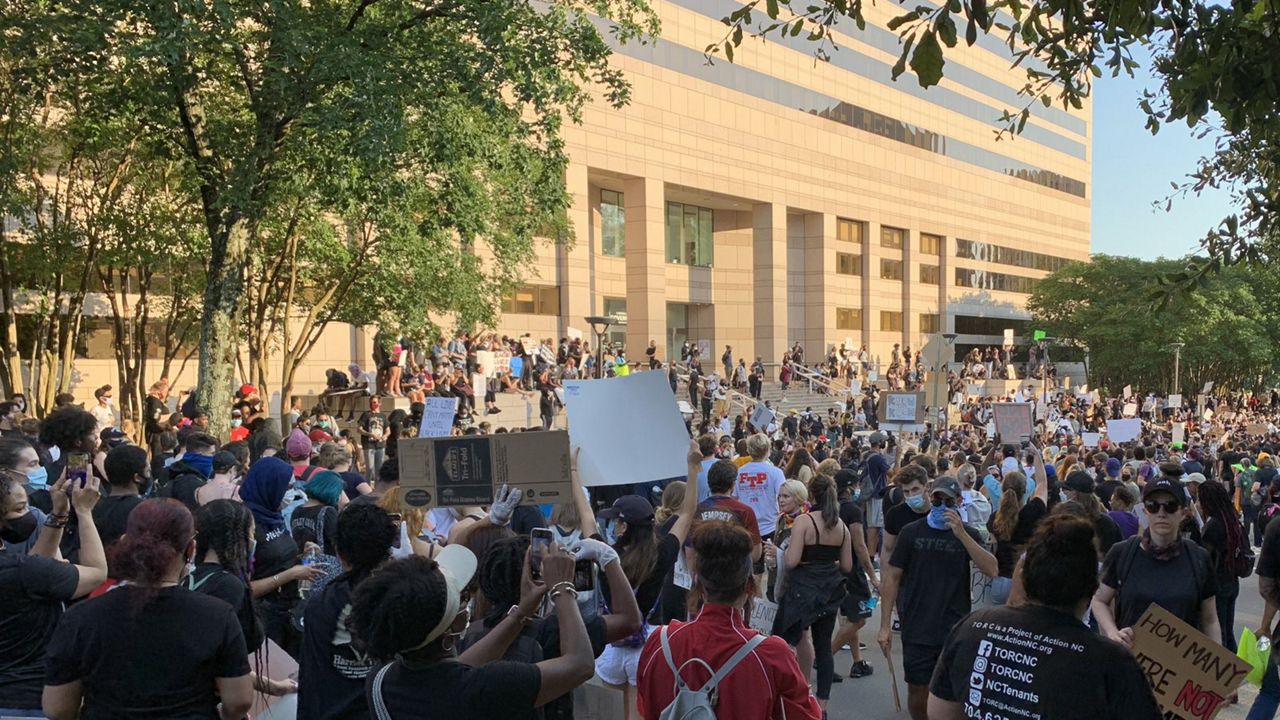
497 410
862 646
835 678
861 669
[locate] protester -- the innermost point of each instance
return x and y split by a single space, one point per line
185 476
373 436
1223 538
129 478
861 582
316 521
1013 524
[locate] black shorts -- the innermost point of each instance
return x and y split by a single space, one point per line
918 661
855 602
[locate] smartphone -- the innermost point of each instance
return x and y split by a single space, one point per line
540 540
77 469
584 575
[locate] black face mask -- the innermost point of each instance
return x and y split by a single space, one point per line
19 529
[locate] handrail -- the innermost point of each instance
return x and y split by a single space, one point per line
816 379
733 395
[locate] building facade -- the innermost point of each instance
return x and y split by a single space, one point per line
780 199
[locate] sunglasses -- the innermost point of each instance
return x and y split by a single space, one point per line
939 502
1170 507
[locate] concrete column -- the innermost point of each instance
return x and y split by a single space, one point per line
573 261
646 265
819 265
769 285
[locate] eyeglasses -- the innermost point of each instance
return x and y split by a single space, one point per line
938 502
1170 507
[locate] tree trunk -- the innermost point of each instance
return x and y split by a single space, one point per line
218 331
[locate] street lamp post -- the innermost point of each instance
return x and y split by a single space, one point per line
1177 358
940 374
600 326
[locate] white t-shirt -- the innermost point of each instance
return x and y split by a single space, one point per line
757 488
105 417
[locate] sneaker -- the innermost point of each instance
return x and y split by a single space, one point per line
861 669
835 678
897 624
862 646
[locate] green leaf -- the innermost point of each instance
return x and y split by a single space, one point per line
946 28
901 20
771 7
971 32
900 66
927 61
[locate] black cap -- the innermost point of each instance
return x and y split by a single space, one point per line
631 509
111 437
947 486
1173 486
223 461
1079 481
845 478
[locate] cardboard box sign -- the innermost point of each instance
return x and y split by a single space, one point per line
901 407
1013 421
1192 676
452 471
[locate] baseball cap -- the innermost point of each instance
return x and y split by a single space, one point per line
458 565
223 461
111 437
631 509
1113 467
1195 478
1167 484
947 486
247 390
317 435
845 478
1079 481
878 438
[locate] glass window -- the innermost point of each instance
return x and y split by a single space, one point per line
890 269
974 325
533 300
930 275
930 244
850 231
848 319
929 323
613 224
984 280
689 235
1001 255
616 308
848 264
892 237
890 321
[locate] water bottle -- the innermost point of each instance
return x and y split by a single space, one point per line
311 557
1264 644
874 601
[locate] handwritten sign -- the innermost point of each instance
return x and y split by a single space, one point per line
762 614
1192 676
1179 432
1175 402
1013 420
902 407
1122 431
486 362
1130 409
437 417
1128 391
761 416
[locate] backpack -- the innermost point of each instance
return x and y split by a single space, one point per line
700 704
1242 563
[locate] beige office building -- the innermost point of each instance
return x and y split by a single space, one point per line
780 199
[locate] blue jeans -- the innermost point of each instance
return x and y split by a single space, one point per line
373 461
1264 707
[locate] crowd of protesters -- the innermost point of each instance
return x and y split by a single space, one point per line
154 580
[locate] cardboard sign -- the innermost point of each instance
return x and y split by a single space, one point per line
1175 402
1122 431
606 417
454 471
1179 432
1257 428
1013 421
529 345
437 417
901 407
762 614
1128 391
1192 676
486 363
1130 409
1090 439
1208 388
761 416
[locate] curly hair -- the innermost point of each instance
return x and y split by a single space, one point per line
1061 565
365 535
223 527
67 427
500 573
397 606
724 560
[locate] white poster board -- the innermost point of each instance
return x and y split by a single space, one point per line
606 417
1128 391
1208 388
529 345
437 417
974 390
1179 432
762 615
573 333
479 385
902 407
1122 431
1013 421
761 416
1008 337
1175 402
486 362
1090 439
1130 409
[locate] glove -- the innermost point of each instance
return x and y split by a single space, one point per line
406 547
504 505
602 553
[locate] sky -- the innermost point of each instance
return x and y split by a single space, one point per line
1132 170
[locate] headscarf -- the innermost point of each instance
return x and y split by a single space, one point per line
263 491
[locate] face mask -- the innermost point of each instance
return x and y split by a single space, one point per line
235 422
19 529
937 517
916 503
38 479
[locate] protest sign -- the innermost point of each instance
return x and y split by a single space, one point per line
761 416
452 471
437 417
606 417
973 390
1013 421
1128 391
1179 432
1008 338
1257 428
1095 397
1208 388
486 363
479 385
901 407
873 375
1208 415
1090 439
1121 431
1175 402
573 333
1192 676
529 345
1130 409
762 614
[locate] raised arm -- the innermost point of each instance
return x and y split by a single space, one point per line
586 516
689 507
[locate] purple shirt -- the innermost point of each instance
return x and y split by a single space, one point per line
1127 522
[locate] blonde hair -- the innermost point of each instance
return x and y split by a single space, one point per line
672 499
829 467
795 489
565 515
416 518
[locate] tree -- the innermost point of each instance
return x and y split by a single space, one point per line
1216 62
426 108
1228 324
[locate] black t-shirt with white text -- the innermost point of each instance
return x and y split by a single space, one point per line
332 670
1013 662
934 593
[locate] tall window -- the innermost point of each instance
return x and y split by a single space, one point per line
613 224
848 319
890 321
984 280
890 269
929 323
616 307
930 244
892 237
848 264
533 300
850 231
930 275
689 234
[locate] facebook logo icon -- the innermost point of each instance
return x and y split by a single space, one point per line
984 648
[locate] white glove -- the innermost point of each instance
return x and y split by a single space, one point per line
504 504
601 552
406 547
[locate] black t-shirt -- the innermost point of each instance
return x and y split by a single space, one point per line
154 411
1020 658
110 515
308 524
1108 533
1178 584
1106 489
276 552
647 593
373 423
331 671
1228 459
157 662
1268 555
934 593
1007 551
213 580
900 516
350 482
1214 540
850 512
32 591
452 691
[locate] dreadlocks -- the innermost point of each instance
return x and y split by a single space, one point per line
223 526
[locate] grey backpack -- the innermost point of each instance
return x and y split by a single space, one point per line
700 704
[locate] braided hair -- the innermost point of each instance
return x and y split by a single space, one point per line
223 527
396 607
501 573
